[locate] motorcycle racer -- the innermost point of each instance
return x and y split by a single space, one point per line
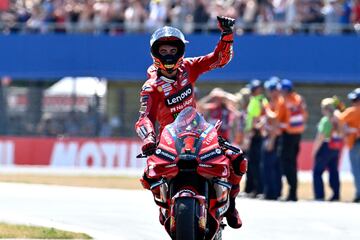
170 88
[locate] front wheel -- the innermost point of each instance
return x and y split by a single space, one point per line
187 219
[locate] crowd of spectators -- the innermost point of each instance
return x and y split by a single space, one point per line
119 16
267 121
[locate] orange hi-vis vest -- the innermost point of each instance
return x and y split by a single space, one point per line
296 113
276 108
351 117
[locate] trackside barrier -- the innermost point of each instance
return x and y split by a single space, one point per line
107 153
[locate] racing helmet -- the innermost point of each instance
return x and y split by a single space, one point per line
167 36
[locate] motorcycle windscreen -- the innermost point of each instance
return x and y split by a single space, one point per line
189 120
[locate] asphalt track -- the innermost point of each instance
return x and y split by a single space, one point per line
128 215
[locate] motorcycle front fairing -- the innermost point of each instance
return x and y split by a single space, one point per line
180 141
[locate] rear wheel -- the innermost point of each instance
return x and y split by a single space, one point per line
187 220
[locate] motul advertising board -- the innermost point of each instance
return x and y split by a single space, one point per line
115 153
71 152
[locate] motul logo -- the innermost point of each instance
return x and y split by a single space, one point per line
179 97
90 153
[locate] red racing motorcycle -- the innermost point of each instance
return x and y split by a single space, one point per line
188 174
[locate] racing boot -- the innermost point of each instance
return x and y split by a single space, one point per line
146 183
238 169
232 215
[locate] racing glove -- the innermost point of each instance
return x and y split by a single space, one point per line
149 145
226 25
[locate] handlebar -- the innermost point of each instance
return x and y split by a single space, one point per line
225 144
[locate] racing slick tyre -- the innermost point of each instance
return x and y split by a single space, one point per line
187 220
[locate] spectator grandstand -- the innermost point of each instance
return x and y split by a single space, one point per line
122 16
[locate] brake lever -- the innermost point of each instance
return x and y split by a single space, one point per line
141 155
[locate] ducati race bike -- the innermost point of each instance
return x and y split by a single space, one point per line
188 175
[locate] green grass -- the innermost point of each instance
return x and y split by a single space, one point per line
31 232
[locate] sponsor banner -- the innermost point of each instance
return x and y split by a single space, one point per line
116 153
71 152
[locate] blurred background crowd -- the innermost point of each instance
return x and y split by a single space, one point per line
119 16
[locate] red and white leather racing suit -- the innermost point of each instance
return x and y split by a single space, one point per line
162 99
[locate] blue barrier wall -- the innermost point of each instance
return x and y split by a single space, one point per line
312 59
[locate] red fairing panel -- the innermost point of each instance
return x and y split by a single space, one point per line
219 167
212 161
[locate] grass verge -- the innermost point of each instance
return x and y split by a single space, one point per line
32 232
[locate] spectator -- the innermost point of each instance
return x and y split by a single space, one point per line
325 153
85 23
201 15
350 120
219 105
116 17
271 167
36 22
332 15
134 15
60 20
243 100
291 19
279 13
310 15
254 123
73 11
265 18
101 17
346 16
296 116
181 14
157 14
249 16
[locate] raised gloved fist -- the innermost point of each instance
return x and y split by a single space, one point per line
226 24
149 145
